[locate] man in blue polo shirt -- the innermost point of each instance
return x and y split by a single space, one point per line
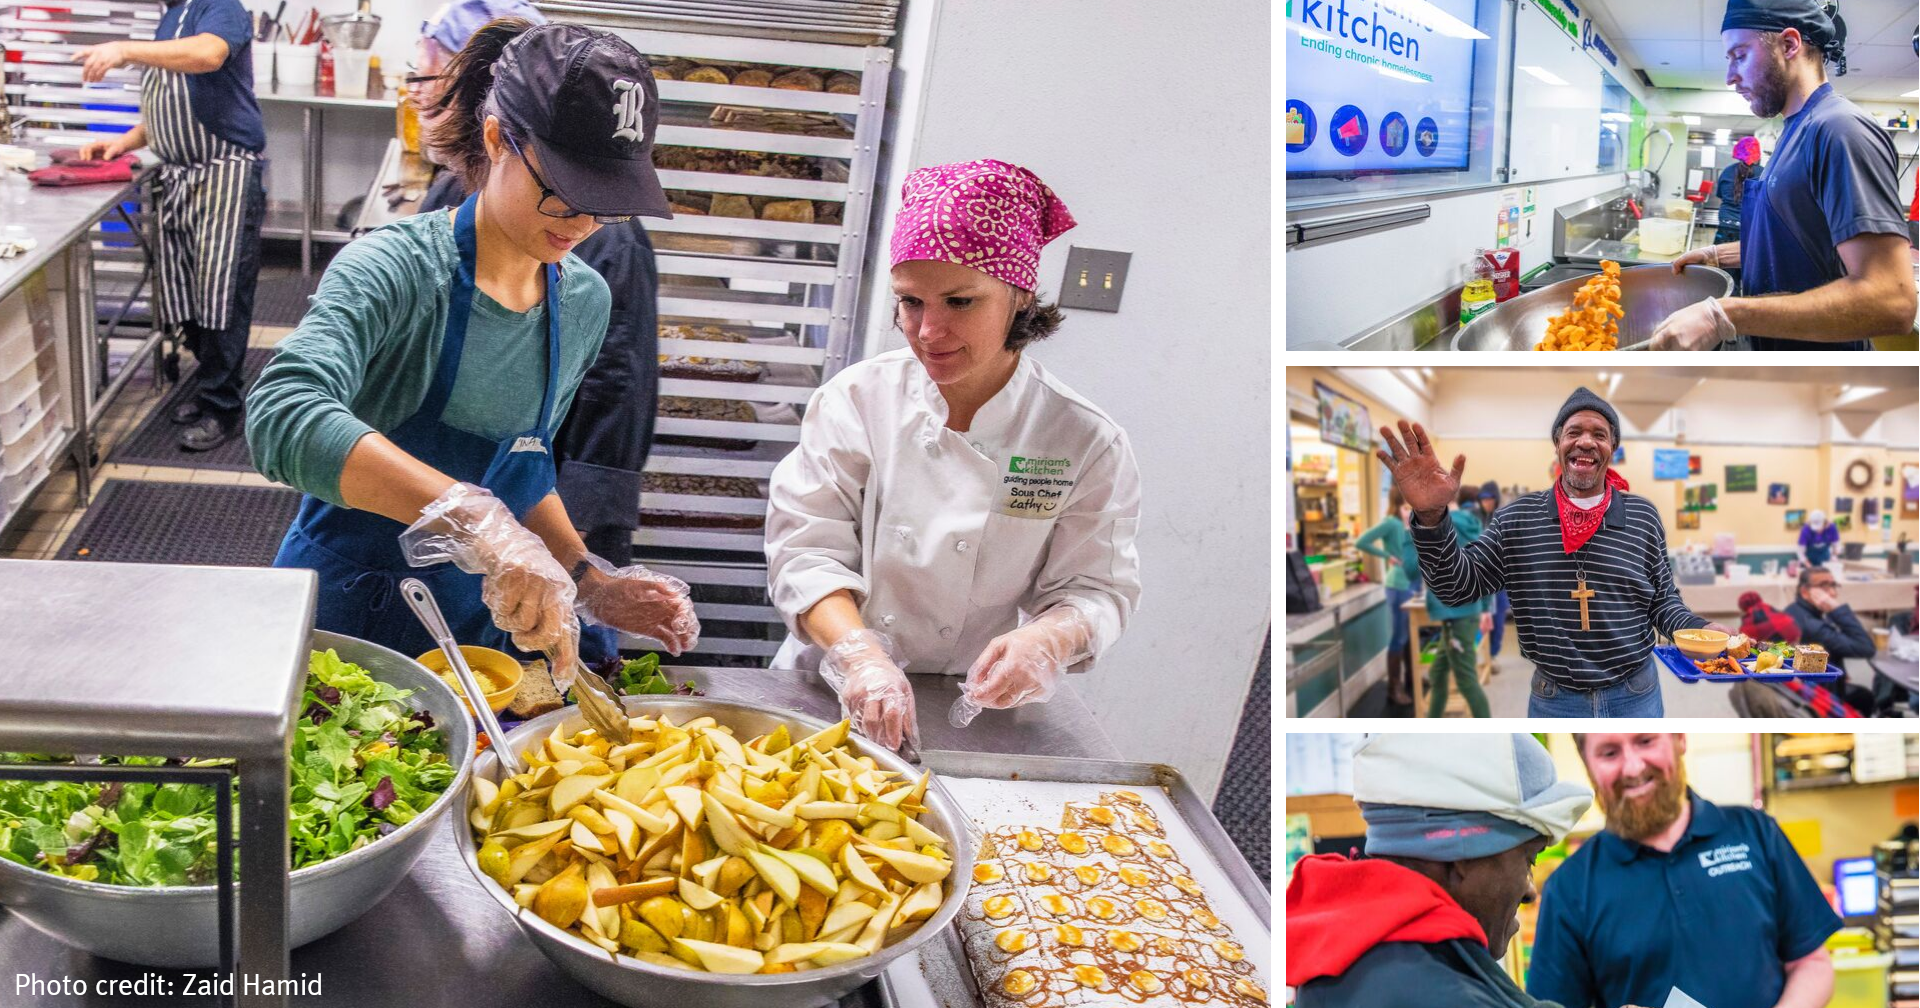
1823 253
1678 892
198 113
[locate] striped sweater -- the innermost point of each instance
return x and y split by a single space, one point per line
1626 567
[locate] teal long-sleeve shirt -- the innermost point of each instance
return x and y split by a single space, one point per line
1399 546
364 354
1467 523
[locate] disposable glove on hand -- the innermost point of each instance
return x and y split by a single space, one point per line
522 585
874 693
638 601
1701 326
1024 665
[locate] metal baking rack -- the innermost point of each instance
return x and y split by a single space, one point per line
792 288
208 681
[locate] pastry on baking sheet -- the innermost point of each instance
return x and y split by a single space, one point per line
1089 914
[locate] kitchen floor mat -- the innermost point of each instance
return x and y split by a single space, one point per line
156 441
280 297
138 521
1244 804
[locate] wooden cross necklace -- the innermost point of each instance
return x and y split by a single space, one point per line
1583 593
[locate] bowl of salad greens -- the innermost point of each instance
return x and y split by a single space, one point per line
381 750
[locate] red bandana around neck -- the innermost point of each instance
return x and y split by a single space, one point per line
1578 524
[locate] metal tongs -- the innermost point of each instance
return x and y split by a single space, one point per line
420 600
599 702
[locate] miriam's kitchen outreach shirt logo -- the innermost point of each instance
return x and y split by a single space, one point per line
1721 860
1035 487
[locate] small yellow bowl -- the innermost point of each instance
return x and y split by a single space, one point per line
1701 644
499 673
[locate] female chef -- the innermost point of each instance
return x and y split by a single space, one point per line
416 403
952 506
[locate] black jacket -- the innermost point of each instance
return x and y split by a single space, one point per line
604 440
1450 974
1839 632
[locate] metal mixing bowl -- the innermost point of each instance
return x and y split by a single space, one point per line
177 926
644 985
1648 293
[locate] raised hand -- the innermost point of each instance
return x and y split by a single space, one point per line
1427 488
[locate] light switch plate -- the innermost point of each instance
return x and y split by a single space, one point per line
1094 280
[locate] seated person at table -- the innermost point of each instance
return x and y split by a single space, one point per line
1825 620
1452 833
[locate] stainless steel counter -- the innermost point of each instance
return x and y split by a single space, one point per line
55 218
287 94
438 941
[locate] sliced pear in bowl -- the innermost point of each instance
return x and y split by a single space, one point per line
718 958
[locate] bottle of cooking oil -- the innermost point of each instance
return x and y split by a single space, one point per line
1476 299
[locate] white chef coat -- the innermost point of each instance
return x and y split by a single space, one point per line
946 538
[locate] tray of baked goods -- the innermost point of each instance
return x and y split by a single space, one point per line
1095 883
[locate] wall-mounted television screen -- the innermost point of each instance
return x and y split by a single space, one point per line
1379 86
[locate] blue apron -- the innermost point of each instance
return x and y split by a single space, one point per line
1818 553
357 553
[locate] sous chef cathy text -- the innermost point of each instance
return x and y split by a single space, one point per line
1035 487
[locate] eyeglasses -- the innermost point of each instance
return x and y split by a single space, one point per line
413 79
551 205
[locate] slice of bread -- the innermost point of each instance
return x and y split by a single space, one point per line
537 694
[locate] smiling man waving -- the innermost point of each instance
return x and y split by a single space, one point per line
1585 565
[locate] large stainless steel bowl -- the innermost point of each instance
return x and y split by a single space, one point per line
1648 293
177 926
644 985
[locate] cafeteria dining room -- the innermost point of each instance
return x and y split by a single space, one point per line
1601 870
1579 542
1601 174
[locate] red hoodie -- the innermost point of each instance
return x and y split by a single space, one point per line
1338 910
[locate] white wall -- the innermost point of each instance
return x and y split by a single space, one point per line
354 139
1340 289
1178 176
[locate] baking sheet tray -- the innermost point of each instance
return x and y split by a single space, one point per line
1684 669
938 977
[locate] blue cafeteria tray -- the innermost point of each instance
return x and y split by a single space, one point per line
1683 667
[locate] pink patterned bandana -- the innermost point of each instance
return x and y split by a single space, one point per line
987 215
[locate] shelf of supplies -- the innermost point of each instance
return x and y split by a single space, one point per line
728 574
742 351
75 117
726 429
1819 783
740 227
743 268
748 140
693 93
737 613
704 504
741 542
746 391
717 48
754 185
701 308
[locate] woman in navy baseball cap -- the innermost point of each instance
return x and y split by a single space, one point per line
416 403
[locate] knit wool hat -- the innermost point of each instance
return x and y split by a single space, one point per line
1584 399
1461 797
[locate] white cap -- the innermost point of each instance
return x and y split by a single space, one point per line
1507 776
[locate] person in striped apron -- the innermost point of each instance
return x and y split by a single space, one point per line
199 116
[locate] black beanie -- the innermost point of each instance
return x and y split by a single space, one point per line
1584 399
1821 29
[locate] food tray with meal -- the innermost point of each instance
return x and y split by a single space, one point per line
1743 661
1096 880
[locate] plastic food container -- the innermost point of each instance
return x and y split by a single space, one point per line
1859 980
296 65
1664 235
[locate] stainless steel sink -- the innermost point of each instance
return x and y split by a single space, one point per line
1648 293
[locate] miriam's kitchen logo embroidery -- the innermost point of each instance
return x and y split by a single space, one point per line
1039 466
1035 487
1721 860
527 444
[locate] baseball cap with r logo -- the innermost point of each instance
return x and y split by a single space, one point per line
586 102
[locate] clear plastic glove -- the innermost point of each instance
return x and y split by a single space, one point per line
522 585
638 601
874 692
1024 665
1700 326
